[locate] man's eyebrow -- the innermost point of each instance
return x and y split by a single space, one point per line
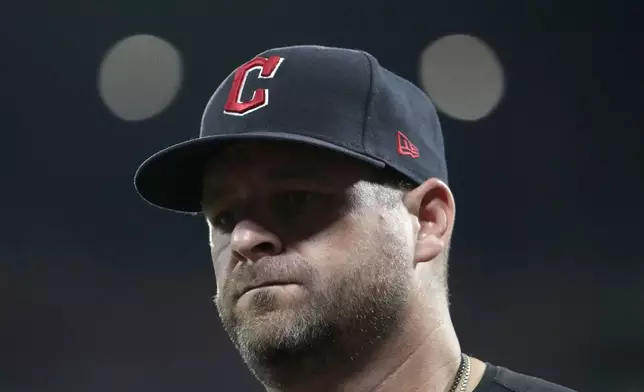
218 192
297 173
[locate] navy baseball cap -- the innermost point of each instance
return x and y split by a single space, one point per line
334 98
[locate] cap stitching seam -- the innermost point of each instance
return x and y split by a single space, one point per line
368 101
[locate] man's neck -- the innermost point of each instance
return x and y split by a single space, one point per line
422 355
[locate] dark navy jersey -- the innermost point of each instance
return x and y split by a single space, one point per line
500 379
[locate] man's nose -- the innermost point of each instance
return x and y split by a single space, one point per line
252 241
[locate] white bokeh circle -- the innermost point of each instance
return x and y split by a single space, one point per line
139 77
463 76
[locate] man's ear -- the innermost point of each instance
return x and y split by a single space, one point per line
432 203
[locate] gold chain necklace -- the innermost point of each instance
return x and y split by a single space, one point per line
462 375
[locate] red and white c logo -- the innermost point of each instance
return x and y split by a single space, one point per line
234 105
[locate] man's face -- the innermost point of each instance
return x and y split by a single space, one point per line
307 254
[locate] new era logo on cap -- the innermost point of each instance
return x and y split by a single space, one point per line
406 147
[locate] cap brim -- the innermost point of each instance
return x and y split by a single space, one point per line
172 178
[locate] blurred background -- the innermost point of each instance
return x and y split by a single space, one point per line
541 108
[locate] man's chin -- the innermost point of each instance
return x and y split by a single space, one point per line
271 322
276 328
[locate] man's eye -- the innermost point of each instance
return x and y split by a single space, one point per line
293 201
224 220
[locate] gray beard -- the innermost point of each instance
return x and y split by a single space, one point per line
335 331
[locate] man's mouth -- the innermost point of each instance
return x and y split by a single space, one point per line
267 284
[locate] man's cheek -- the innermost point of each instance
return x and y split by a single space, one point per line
220 284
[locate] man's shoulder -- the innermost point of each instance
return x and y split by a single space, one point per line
501 379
